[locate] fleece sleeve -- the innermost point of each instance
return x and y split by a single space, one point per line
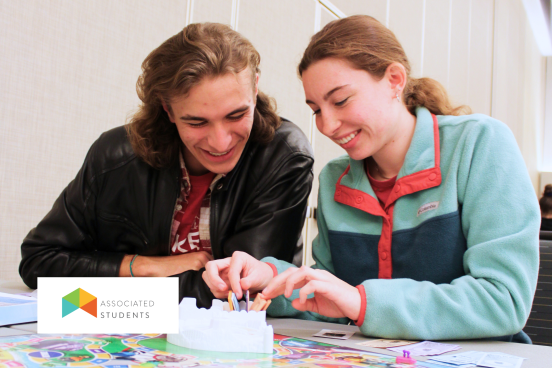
281 306
500 221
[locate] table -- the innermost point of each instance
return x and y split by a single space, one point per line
538 356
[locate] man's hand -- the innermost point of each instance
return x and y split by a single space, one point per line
164 266
237 273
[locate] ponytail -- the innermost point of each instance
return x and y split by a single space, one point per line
433 96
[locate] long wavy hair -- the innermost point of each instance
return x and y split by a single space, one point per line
368 45
171 70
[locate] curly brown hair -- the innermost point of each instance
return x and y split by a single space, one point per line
368 45
171 70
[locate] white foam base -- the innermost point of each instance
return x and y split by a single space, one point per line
216 329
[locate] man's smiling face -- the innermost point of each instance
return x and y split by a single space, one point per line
214 121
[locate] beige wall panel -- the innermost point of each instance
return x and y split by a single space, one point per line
68 72
546 128
518 80
324 148
533 96
374 8
507 67
436 40
216 11
481 56
457 84
324 151
406 21
280 31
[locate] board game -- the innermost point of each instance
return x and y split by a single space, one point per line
153 351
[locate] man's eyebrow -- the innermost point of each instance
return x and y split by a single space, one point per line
328 94
238 110
199 118
190 117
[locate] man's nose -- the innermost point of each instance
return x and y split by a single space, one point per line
220 137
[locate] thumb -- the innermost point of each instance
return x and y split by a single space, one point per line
309 305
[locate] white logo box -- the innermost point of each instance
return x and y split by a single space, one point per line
124 305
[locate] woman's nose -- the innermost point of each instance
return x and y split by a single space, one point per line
328 124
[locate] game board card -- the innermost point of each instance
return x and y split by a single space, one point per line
235 303
242 305
334 334
384 343
258 303
500 360
427 348
230 303
468 357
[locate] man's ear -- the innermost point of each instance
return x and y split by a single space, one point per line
168 111
396 75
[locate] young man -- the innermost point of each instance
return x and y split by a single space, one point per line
203 169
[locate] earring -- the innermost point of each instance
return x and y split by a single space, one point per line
398 97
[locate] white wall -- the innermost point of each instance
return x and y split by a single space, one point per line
68 71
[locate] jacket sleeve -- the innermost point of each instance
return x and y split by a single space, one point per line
281 306
64 242
271 223
500 221
272 220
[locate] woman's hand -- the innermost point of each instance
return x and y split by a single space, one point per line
164 266
236 273
332 296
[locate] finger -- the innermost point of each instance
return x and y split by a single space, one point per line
219 290
277 285
212 273
221 294
258 277
209 256
300 278
235 269
309 305
311 287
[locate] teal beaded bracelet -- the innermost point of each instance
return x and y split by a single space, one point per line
131 262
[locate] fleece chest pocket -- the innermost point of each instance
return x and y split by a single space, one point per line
118 233
432 251
354 256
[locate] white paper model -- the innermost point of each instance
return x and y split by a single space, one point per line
217 329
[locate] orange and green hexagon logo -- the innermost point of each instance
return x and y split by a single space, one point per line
79 299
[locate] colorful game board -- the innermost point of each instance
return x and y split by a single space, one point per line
153 351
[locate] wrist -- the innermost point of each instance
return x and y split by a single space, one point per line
142 267
362 305
270 271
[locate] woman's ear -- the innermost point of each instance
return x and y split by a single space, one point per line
168 111
396 75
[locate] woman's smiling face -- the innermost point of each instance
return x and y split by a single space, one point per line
352 108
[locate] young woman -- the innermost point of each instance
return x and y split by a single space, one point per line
428 228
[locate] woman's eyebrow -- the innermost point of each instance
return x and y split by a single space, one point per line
328 94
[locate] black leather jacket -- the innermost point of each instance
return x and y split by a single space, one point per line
120 205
